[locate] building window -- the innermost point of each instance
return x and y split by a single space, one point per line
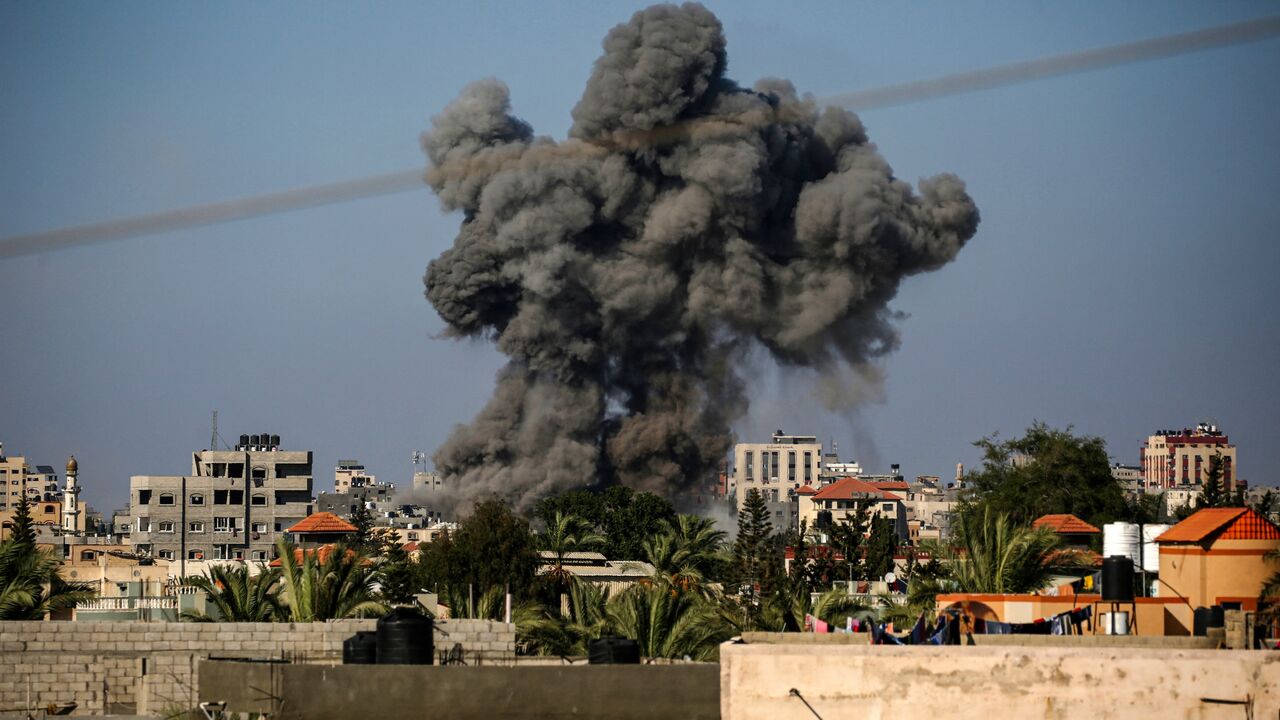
259 527
258 555
195 527
165 498
224 524
87 555
259 500
144 496
219 497
195 554
166 554
235 497
196 499
887 507
144 524
166 526
413 536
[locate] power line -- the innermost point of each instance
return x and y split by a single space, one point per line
887 96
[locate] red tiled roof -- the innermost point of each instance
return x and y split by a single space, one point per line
1065 524
410 547
1229 523
806 490
299 554
323 522
890 484
851 489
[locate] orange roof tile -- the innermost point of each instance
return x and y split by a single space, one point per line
890 484
806 490
851 489
323 522
1231 523
299 555
1065 524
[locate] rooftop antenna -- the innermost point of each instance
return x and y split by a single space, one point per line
213 437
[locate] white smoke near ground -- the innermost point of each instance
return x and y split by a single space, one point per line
628 271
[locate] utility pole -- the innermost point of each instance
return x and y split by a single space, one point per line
213 439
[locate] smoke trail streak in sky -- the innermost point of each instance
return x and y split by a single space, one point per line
983 79
627 270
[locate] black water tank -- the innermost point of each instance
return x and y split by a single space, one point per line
275 441
360 649
613 651
1207 617
1117 579
244 441
255 440
405 638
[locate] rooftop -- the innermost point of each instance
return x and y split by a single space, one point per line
1065 524
1221 523
851 489
323 522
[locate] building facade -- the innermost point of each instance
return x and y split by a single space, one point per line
234 505
1174 458
349 474
776 469
18 478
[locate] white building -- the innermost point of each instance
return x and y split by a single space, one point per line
776 469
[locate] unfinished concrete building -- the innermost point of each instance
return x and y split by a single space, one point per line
234 505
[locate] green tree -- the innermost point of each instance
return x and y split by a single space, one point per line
362 519
848 537
491 547
1046 471
882 545
687 552
398 577
994 554
237 595
753 546
668 624
1213 493
623 516
566 534
30 586
1266 504
24 531
339 586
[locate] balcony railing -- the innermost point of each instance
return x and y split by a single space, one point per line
130 603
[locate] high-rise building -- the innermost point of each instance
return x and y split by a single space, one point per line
38 483
233 505
1180 458
777 469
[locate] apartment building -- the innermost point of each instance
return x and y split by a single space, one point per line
18 478
234 505
1178 458
349 474
777 469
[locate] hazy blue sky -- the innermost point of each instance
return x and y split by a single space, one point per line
1122 280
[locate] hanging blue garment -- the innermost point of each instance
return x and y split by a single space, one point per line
920 632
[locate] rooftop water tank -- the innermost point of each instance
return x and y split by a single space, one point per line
405 637
1120 539
1150 550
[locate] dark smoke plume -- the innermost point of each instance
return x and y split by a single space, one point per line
626 270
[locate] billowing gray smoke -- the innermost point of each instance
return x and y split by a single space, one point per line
626 270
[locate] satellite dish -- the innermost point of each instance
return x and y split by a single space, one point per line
890 577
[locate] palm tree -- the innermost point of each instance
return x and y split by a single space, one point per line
685 552
30 586
237 595
566 534
339 586
995 555
668 624
583 619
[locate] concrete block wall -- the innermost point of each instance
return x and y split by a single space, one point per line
152 667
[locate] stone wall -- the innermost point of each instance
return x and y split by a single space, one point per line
785 681
152 667
689 691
